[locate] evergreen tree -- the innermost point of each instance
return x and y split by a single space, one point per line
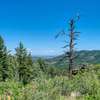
14 65
42 65
29 59
30 66
24 64
4 64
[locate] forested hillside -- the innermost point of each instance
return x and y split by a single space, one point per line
83 57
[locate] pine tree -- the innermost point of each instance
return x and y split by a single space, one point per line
14 65
4 64
29 59
24 64
30 66
42 65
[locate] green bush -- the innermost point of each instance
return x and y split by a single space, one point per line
57 88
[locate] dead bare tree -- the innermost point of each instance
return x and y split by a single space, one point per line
70 44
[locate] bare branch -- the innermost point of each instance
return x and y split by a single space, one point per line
60 33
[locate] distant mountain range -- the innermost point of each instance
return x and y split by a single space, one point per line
43 57
83 57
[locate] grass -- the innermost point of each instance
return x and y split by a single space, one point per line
57 88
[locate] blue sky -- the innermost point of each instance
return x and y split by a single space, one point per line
36 22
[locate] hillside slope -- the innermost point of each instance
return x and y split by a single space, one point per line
83 57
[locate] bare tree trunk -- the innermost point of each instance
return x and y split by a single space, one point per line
70 54
71 47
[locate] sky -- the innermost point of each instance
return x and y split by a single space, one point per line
36 22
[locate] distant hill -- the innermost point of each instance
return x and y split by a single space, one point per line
43 57
83 57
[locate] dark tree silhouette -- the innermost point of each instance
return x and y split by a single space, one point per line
70 44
